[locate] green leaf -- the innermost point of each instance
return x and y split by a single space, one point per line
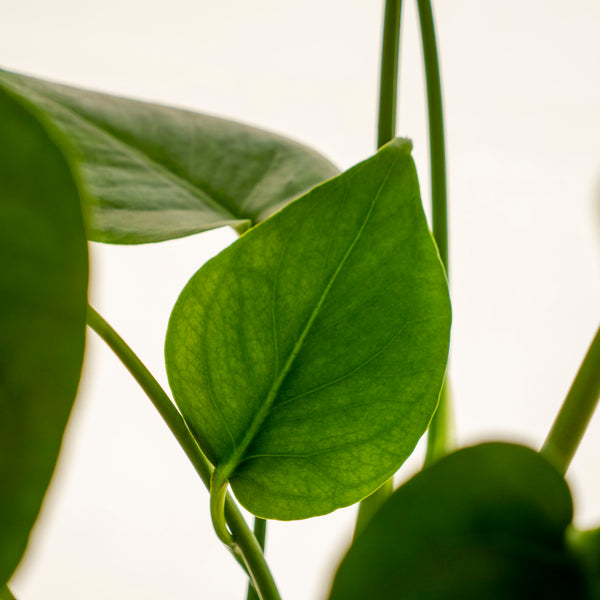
485 522
6 594
308 356
43 288
586 546
154 173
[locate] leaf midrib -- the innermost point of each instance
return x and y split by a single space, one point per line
227 468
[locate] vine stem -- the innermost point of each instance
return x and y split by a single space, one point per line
577 410
245 548
260 533
438 440
386 131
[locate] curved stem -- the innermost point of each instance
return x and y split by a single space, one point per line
246 550
437 441
577 410
386 131
167 410
260 533
218 493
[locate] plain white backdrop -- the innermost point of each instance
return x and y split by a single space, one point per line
126 517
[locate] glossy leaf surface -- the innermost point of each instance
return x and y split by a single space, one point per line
43 290
308 356
154 173
485 522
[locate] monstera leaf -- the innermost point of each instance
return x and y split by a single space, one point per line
308 356
153 173
43 291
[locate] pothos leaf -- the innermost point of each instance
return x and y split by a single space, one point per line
153 173
308 356
43 291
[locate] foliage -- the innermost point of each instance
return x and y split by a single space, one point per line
306 360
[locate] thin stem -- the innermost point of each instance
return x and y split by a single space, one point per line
388 84
371 504
577 410
386 131
440 430
437 441
260 533
247 550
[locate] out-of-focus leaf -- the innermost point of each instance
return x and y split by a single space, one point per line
43 290
486 522
6 594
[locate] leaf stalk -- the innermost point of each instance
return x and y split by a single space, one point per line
438 440
245 547
576 412
386 131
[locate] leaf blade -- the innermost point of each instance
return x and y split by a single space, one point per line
153 173
262 363
43 289
485 522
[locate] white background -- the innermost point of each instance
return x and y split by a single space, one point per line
126 517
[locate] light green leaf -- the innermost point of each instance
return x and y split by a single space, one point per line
308 356
485 522
154 173
43 288
6 594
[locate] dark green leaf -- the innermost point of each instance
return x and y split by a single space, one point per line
586 546
43 287
308 356
486 522
154 173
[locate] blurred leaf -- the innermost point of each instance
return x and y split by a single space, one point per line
6 594
586 546
154 173
486 522
309 355
43 261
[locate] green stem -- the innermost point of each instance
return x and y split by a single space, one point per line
577 410
218 494
388 84
246 549
386 131
437 441
371 504
440 436
260 533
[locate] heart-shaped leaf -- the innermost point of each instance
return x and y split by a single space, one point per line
154 173
485 522
308 356
43 289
